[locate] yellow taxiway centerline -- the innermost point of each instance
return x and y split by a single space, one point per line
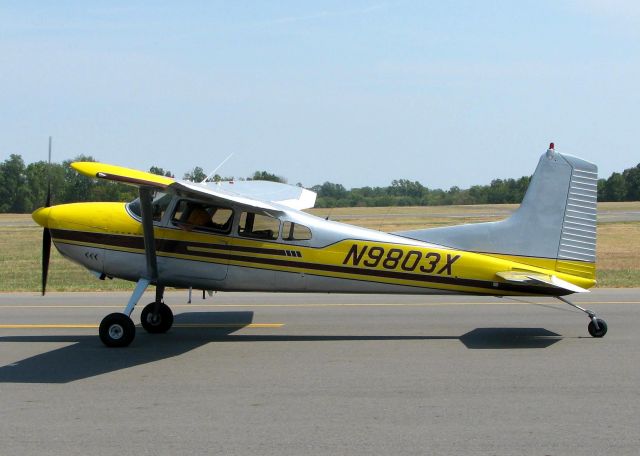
177 325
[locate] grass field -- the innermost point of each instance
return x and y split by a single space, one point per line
618 243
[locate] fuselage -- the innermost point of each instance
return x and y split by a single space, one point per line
327 256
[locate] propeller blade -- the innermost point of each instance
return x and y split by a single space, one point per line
46 254
46 235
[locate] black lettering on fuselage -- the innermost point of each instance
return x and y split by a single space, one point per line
447 266
410 264
396 258
375 253
356 256
433 263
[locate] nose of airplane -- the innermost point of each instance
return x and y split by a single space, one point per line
41 216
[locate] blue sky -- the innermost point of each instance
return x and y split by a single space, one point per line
360 93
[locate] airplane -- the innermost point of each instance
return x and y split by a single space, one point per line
255 236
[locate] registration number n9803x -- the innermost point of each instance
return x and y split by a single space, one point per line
398 259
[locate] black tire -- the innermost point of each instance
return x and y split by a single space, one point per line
163 321
602 328
117 330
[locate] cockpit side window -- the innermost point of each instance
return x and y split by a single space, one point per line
159 206
193 215
258 226
295 232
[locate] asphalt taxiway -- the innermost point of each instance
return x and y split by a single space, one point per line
322 374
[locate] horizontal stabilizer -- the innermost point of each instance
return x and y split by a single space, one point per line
535 277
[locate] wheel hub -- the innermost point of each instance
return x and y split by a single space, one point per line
116 332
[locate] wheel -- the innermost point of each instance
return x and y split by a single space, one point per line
117 330
602 328
160 323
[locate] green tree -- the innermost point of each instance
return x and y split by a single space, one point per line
405 187
632 183
14 191
77 187
602 184
160 171
615 188
330 190
38 175
266 176
195 175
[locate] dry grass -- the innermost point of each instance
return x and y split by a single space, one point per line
618 254
20 244
20 262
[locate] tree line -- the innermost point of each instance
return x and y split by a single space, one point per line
23 188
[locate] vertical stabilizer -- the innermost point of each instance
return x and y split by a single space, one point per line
556 220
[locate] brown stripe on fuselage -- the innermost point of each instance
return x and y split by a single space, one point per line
163 245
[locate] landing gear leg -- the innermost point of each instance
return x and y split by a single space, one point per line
597 326
117 329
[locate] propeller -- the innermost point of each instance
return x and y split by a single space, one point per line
46 235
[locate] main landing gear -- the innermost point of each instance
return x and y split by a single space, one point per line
156 318
117 329
597 326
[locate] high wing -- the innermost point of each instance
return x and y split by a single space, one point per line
120 174
259 194
287 195
205 192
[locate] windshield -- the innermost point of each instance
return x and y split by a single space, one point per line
159 206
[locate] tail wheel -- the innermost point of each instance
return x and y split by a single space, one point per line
159 322
600 331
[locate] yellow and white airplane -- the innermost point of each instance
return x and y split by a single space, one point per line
254 236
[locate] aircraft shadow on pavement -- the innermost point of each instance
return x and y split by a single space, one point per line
509 338
86 357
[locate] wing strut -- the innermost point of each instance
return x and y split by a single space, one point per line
147 229
151 276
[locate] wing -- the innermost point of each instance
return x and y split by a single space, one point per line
121 174
287 195
258 194
535 277
212 194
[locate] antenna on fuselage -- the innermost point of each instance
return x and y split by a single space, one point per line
213 173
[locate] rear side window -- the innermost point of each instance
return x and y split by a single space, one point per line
258 226
295 232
